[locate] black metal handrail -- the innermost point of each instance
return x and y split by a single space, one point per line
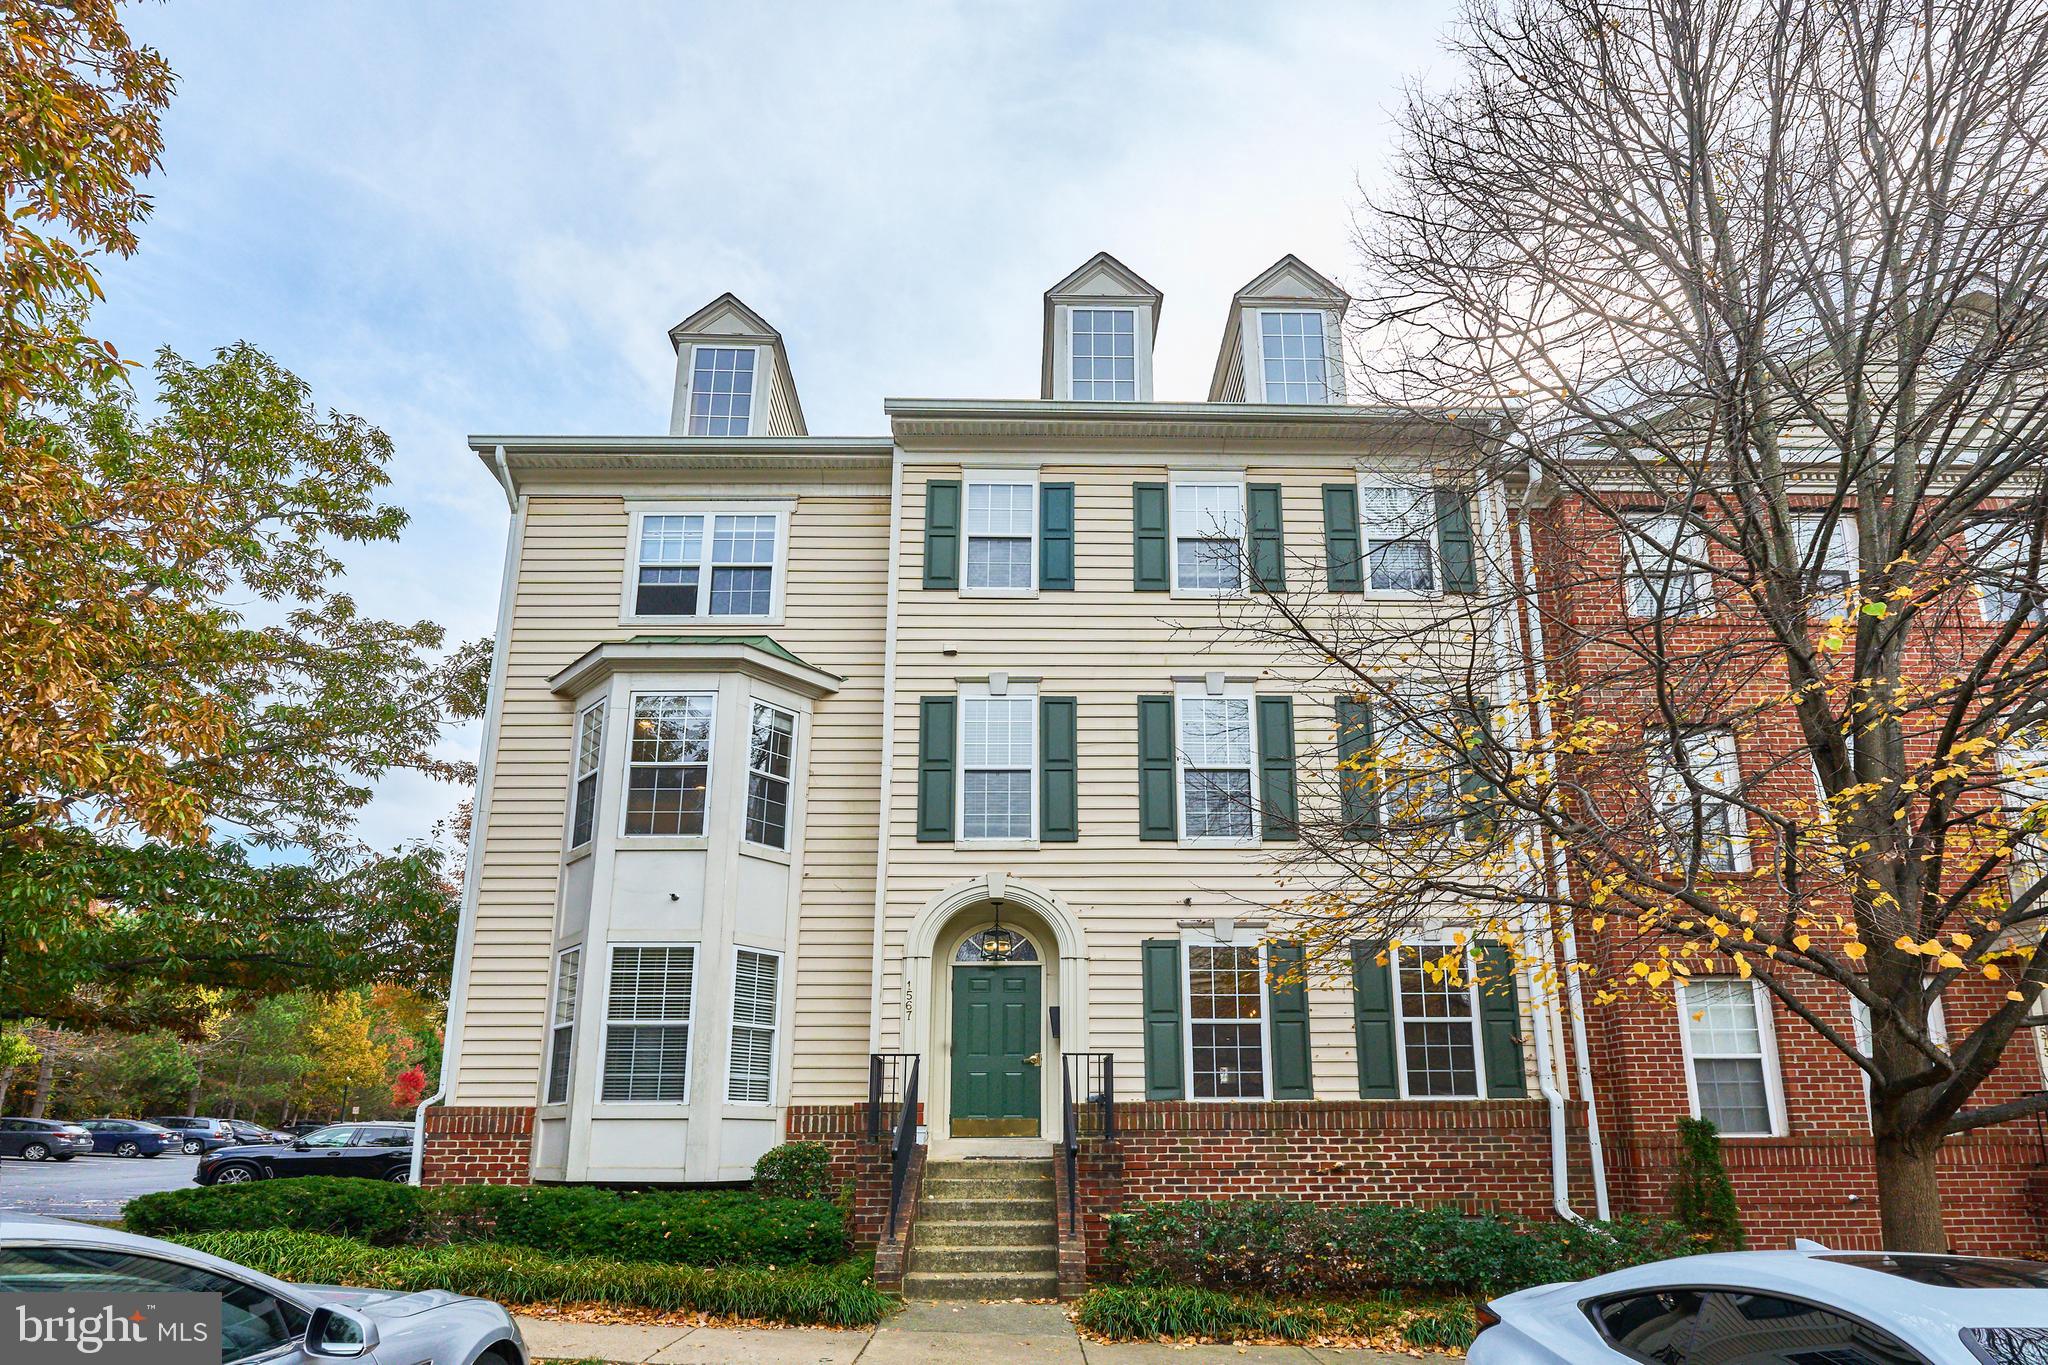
902 1145
886 1074
1086 1107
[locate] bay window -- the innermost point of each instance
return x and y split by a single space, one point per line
648 1003
668 767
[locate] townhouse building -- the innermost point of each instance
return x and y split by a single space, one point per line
912 794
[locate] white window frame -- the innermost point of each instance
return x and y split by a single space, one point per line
578 774
1333 383
1688 546
1074 311
1239 938
1426 501
788 781
1018 478
1187 692
734 1024
1841 556
1859 1023
688 1022
559 1003
1003 691
1469 973
1767 1041
629 613
1729 755
754 404
1176 531
1995 546
710 762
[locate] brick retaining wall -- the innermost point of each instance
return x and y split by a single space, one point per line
478 1145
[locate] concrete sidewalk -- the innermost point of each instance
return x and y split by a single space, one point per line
967 1333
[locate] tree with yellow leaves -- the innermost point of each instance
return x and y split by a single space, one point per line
349 1060
1744 670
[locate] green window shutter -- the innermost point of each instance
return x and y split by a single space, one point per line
1056 537
1372 1013
942 533
1149 567
1341 547
1162 1019
1277 815
1478 824
935 770
1454 541
1359 804
1155 769
1287 1002
1500 1021
1059 816
1268 544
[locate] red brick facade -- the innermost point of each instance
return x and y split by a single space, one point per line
1479 1154
478 1145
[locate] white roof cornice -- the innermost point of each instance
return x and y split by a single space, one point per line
918 421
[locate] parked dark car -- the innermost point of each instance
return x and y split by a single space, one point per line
246 1131
377 1151
129 1137
298 1128
197 1136
49 1140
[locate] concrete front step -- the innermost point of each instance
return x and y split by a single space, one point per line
983 1260
1023 1232
985 1210
919 1284
986 1187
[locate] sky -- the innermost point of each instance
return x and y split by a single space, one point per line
460 218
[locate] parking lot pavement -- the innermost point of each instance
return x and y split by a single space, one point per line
93 1187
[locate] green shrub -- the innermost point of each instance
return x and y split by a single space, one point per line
1704 1197
377 1211
1281 1247
795 1170
838 1296
675 1227
1146 1313
679 1227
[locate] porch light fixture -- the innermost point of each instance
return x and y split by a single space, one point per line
997 943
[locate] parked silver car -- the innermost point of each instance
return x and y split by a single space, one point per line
262 1319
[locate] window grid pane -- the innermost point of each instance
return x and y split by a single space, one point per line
1105 359
647 1033
751 1070
1292 353
998 743
560 1043
671 549
1208 533
1726 1040
670 765
589 751
1710 757
721 391
768 768
1216 779
1225 1017
1438 1024
1659 579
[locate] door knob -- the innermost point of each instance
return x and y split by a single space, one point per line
1032 1060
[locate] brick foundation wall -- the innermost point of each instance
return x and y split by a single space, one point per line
478 1145
843 1130
1487 1154
1824 1188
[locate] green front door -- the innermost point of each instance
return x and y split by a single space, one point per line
995 1051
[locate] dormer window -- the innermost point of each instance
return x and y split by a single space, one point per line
1293 356
1105 355
721 390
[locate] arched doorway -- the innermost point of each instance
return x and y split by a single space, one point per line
999 1052
934 941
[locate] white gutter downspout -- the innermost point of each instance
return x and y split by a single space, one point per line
1568 937
888 760
465 925
1543 1006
